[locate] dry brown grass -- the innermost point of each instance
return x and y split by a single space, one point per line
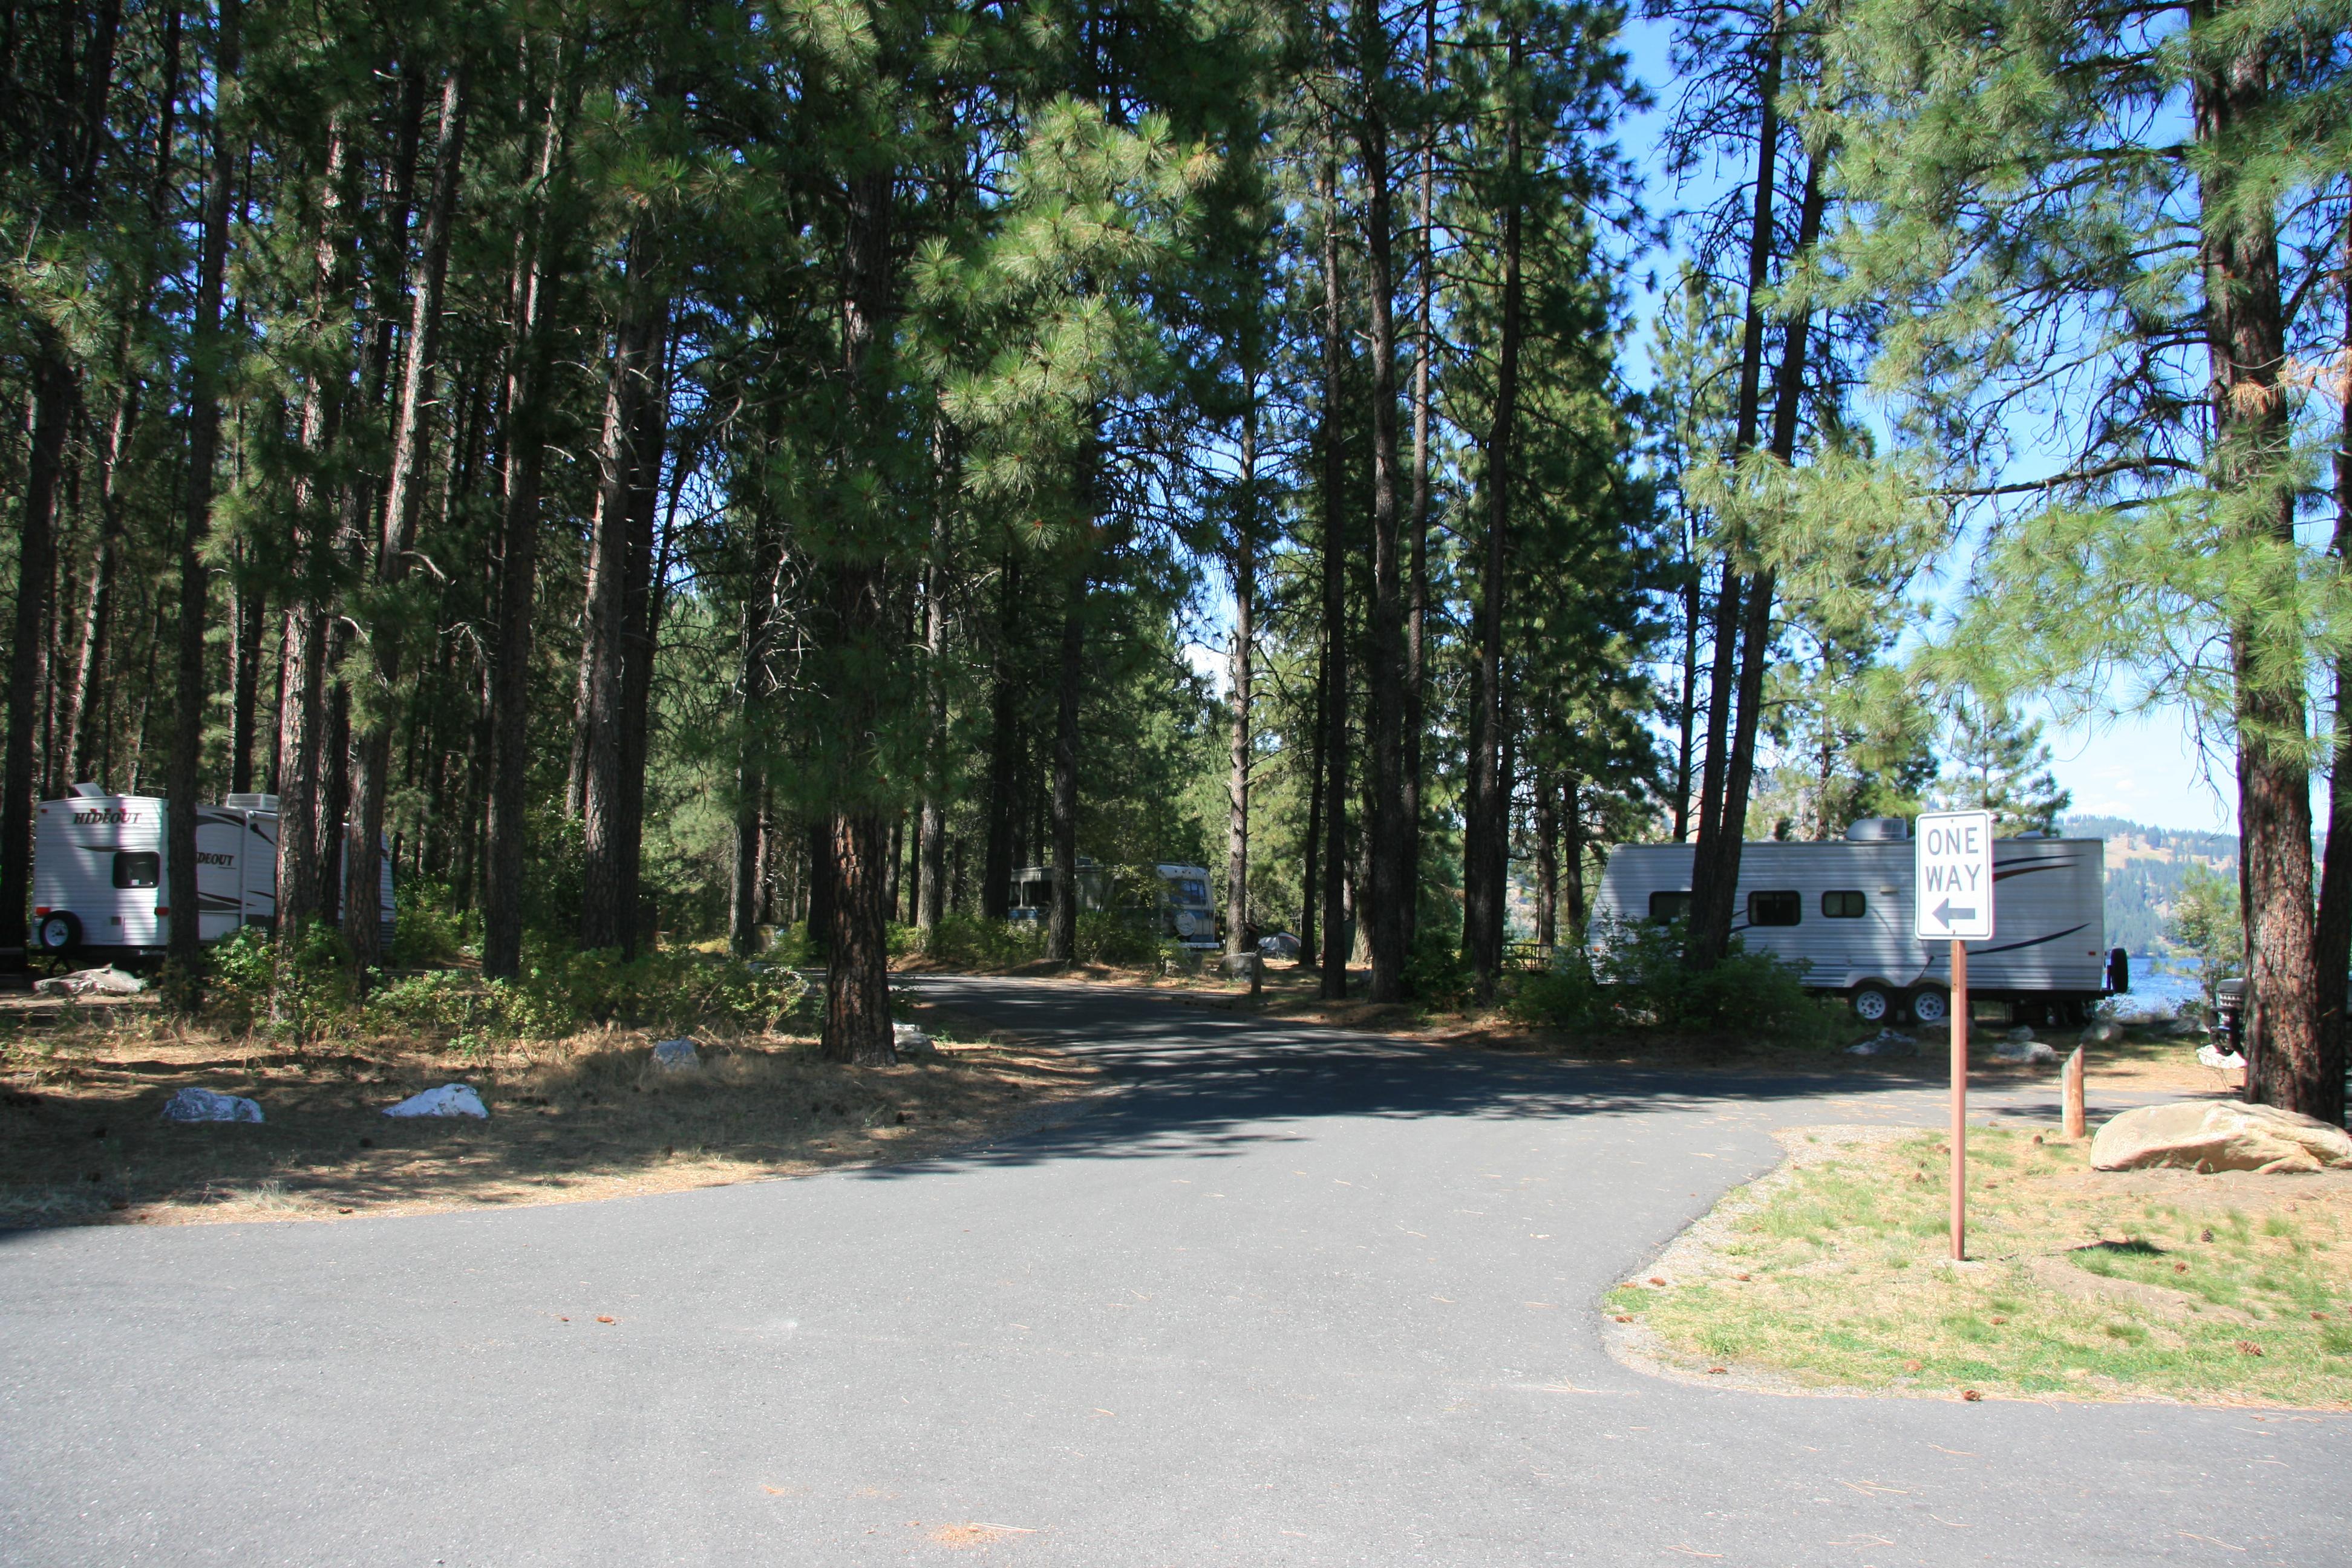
81 1140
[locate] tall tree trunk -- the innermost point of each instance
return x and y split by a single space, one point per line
1389 873
183 935
404 482
1712 886
857 976
1062 920
1687 705
302 639
1310 955
755 684
1238 668
77 744
1756 628
649 564
245 684
2331 942
1416 677
1003 752
1335 613
539 259
53 403
931 827
1571 823
2246 341
608 918
1486 842
77 138
1547 857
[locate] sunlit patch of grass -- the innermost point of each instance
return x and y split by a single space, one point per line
2077 1284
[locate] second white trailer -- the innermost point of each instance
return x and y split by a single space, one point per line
1842 909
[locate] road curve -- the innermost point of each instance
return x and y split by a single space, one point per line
1295 1296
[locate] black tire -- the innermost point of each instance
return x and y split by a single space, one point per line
58 931
1874 1003
1930 1006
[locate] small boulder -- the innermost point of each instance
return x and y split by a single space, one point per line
2025 1050
210 1105
1886 1043
2105 1032
676 1056
2215 1056
2200 1135
449 1099
106 982
2020 1035
910 1038
1242 965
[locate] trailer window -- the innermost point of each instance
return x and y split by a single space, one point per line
1667 908
137 869
1781 908
1844 906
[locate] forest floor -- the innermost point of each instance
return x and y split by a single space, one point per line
2148 1059
1831 1273
82 1140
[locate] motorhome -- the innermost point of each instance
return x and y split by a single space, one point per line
1172 899
1843 911
101 883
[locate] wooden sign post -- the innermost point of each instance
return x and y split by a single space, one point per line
1960 1099
1952 899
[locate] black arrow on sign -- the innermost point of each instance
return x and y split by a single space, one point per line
1944 914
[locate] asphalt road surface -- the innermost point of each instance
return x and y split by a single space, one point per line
1294 1296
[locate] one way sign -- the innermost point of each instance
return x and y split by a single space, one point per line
1953 876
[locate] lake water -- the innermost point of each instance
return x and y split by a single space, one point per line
2157 992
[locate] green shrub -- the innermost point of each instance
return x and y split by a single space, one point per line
1635 978
247 987
968 942
427 929
1110 936
1436 974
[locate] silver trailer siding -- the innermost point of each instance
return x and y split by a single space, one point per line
1852 903
101 877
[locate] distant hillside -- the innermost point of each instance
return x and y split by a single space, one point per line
2145 865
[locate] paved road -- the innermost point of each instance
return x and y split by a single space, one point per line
1297 1297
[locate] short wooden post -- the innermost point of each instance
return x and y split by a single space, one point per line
1959 1101
2074 1095
1257 973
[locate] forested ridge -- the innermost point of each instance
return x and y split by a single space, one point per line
676 471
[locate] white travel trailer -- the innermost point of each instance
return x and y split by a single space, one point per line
1844 910
1172 899
101 889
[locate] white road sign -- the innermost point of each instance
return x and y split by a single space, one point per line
1953 886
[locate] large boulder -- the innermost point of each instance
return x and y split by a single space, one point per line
2208 1136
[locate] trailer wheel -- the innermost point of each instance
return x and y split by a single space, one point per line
1872 1005
58 931
1931 1006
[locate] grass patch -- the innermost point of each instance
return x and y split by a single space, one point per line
1832 1273
582 1117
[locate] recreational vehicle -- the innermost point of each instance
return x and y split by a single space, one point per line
1843 911
1172 899
102 887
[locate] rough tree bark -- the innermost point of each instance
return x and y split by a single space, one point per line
2331 941
402 506
1238 697
1711 889
2246 341
1486 844
1389 872
1335 613
183 932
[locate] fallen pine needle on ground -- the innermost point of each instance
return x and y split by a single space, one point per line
1832 1273
82 1141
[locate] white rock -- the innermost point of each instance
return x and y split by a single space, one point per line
2215 1056
2219 1135
1886 1043
676 1056
2026 1050
106 982
209 1105
2105 1032
910 1038
449 1099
